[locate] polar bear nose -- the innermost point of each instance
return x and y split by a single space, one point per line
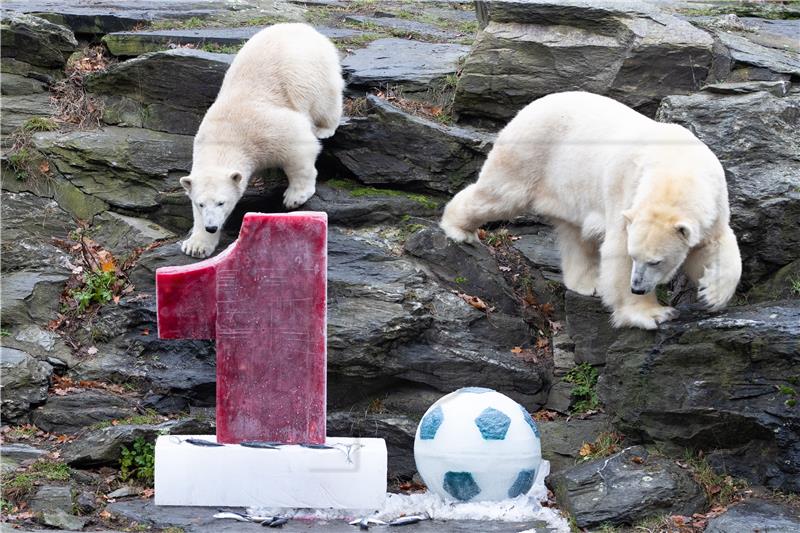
211 229
638 291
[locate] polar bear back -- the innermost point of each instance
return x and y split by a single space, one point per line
586 151
285 65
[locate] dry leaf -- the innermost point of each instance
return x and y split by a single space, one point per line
636 459
148 493
586 449
146 331
92 350
105 515
44 167
516 349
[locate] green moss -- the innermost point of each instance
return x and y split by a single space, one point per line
150 417
49 470
460 280
357 190
222 48
20 484
39 124
794 286
357 41
176 24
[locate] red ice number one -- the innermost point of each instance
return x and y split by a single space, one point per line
263 300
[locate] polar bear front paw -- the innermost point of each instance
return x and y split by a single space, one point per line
199 246
324 133
643 317
295 197
715 289
458 234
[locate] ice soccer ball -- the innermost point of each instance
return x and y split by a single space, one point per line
476 444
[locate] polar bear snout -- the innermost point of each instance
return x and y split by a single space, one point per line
645 277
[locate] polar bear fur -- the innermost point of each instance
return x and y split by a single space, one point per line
631 199
281 94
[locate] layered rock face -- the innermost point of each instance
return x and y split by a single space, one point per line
412 316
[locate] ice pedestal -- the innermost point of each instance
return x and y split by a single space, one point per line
351 475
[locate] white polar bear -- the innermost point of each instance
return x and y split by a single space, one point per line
631 199
282 92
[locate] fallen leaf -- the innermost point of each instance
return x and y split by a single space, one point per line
636 459
516 349
586 449
542 343
148 493
545 416
105 515
146 331
92 350
44 167
475 302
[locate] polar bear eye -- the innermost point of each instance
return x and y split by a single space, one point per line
220 204
654 263
202 205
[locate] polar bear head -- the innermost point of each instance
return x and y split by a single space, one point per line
659 239
214 193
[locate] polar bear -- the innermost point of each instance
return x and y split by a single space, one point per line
281 94
631 199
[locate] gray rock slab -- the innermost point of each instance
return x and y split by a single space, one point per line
52 498
746 52
11 455
35 41
24 382
756 515
121 234
776 88
625 488
411 66
539 244
21 108
588 323
134 43
63 520
390 147
407 27
78 411
713 382
562 438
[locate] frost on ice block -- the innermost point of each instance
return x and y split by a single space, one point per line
263 300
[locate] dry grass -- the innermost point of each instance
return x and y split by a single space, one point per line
436 108
73 106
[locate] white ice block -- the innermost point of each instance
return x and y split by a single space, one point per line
351 476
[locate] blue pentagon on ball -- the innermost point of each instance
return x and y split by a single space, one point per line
476 444
493 424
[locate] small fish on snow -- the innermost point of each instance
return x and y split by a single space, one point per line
202 442
232 516
259 444
277 521
408 520
364 523
317 446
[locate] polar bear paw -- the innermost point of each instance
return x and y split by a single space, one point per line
458 234
199 245
295 197
324 133
715 289
644 317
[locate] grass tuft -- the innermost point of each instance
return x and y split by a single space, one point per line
584 397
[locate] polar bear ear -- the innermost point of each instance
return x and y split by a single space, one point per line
628 216
685 230
236 177
186 181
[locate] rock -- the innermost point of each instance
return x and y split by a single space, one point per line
63 520
755 138
626 50
563 353
755 515
776 88
745 53
121 234
559 399
52 498
589 326
14 454
397 431
409 66
29 224
537 242
103 446
19 109
135 43
779 286
392 148
32 44
625 488
351 204
73 413
724 383
409 28
24 383
181 85
31 296
122 492
16 85
562 438
127 168
86 502
389 322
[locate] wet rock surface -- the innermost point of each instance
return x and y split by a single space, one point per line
625 488
754 515
412 315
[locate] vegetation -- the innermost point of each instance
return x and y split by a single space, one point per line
39 124
138 462
222 48
501 237
98 288
460 280
356 190
21 484
794 286
720 489
607 443
147 418
584 397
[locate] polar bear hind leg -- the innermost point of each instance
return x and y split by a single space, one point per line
580 259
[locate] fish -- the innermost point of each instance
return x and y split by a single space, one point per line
201 442
408 520
259 444
277 521
232 516
316 446
364 523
